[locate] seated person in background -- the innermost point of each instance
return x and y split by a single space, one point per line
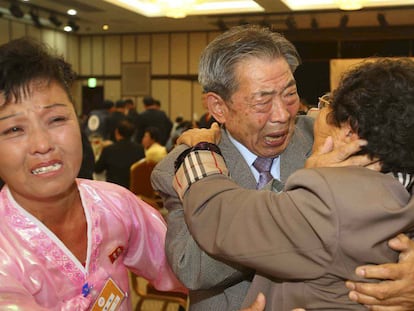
154 151
308 239
117 158
63 240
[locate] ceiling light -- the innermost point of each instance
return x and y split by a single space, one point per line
71 26
298 5
152 8
105 27
176 8
15 10
349 5
71 12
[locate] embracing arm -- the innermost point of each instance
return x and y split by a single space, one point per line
195 268
255 228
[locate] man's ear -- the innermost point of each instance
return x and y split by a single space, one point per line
217 107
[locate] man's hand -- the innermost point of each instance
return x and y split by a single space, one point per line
258 304
194 136
396 292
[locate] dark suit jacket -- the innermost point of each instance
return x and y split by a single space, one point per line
214 284
303 243
117 159
156 118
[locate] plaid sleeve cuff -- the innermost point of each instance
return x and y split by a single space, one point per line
197 165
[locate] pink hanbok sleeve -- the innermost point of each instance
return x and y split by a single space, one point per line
146 248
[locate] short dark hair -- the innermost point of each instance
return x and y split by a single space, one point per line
148 101
377 98
125 128
107 104
128 101
25 60
120 103
154 133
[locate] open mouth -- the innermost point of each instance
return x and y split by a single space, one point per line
276 138
46 169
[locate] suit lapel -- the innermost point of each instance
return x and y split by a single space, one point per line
238 168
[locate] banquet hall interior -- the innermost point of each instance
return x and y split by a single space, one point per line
133 49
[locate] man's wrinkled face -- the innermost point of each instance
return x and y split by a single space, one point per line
261 113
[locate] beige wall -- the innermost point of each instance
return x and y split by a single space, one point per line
171 57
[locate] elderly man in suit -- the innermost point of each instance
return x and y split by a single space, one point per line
247 77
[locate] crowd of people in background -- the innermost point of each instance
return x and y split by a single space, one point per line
116 136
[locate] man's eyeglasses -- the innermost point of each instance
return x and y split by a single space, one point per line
324 101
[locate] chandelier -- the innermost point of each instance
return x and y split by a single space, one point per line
176 8
350 4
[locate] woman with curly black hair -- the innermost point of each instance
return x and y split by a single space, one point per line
306 241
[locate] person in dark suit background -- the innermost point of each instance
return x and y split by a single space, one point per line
153 116
117 158
117 115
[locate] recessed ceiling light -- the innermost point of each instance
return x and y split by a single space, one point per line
72 12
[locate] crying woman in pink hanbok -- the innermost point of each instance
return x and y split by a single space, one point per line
65 243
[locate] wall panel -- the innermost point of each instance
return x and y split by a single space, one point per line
112 55
197 43
97 55
17 30
73 52
34 32
160 56
85 56
112 89
61 44
160 89
5 31
197 106
181 96
143 48
179 54
128 49
48 36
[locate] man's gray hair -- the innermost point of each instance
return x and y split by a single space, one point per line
220 58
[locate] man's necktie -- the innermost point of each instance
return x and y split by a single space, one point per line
263 165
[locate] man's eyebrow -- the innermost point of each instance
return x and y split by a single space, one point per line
273 92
